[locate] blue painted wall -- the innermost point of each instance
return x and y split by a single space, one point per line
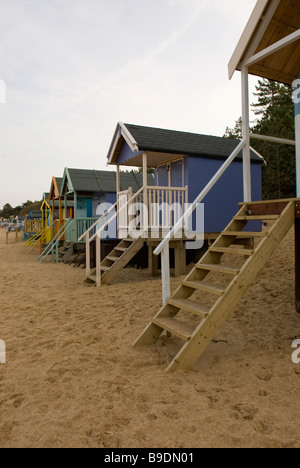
84 207
221 204
126 154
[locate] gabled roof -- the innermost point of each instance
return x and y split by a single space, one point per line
55 188
171 142
92 181
270 22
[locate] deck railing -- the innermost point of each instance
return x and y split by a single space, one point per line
163 247
131 207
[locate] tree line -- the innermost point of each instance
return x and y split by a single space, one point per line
275 117
20 210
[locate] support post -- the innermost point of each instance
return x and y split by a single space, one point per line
66 207
118 179
98 260
297 127
180 260
87 255
297 204
75 217
153 261
145 194
246 135
165 274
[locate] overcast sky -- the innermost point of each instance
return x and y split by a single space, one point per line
74 68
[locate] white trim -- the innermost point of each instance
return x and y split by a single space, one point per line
113 145
246 136
245 39
288 40
265 21
282 141
128 138
199 199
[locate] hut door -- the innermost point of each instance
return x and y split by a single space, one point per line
177 174
163 176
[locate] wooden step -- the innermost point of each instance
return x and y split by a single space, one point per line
218 268
201 286
104 268
230 250
190 306
112 259
182 330
121 249
257 218
244 234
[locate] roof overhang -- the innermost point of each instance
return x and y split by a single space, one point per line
54 192
66 186
121 134
270 43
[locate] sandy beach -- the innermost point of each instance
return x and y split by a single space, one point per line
72 378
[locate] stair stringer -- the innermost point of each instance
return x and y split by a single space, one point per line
152 332
206 331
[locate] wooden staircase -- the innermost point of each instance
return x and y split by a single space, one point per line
236 269
116 260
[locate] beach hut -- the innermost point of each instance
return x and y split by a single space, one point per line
183 164
269 48
33 226
89 190
84 196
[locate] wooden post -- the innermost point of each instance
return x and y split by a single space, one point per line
17 235
297 256
246 135
145 194
66 207
180 261
297 127
152 262
165 274
98 260
7 235
88 255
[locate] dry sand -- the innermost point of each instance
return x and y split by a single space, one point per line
72 378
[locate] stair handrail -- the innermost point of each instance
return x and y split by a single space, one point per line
97 235
98 221
43 236
101 229
163 247
56 239
34 237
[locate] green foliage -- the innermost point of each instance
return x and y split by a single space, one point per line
8 211
275 111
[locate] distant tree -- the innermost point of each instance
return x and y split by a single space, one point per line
275 117
236 132
7 211
276 111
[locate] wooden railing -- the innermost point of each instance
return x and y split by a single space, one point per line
33 225
163 247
